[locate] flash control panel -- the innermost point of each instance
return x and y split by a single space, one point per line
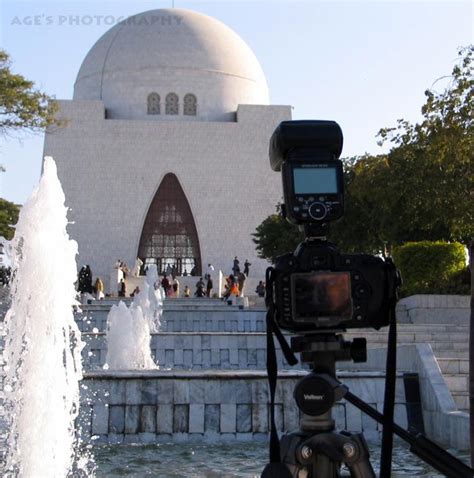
316 208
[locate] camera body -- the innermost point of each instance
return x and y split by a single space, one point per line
317 288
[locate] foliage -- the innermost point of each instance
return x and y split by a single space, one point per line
432 268
22 107
276 236
8 217
421 190
367 222
431 184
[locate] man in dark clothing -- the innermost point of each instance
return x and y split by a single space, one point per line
246 267
209 286
165 283
236 267
260 290
200 292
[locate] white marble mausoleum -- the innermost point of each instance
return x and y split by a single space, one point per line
164 150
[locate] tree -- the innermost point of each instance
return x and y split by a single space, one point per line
8 217
276 236
22 107
421 190
431 163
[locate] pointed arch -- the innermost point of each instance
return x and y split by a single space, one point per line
169 235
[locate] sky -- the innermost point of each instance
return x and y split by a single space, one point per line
364 64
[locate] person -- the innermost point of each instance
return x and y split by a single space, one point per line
81 280
209 270
124 268
200 290
209 286
175 287
260 290
236 267
165 283
241 278
122 288
194 271
234 289
187 291
200 283
99 288
169 270
88 280
135 292
247 267
137 267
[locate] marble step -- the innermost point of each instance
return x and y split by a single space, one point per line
205 350
455 353
453 365
232 319
461 399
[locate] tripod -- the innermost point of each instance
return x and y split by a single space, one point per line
317 449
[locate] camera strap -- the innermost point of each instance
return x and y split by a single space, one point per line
390 385
275 468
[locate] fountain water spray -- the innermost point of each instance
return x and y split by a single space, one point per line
43 343
129 329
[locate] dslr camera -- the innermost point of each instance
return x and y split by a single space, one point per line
317 288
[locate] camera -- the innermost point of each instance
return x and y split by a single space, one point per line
317 288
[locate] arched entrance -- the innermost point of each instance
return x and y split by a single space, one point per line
169 237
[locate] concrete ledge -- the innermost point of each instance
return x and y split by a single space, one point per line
434 309
163 406
443 422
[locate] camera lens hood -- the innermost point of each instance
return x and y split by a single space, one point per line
314 137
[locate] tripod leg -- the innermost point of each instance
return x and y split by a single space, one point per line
357 458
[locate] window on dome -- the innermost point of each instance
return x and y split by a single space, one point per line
190 105
153 103
172 104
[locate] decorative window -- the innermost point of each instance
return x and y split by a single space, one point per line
153 103
169 236
190 105
172 104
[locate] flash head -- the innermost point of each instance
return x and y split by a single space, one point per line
318 139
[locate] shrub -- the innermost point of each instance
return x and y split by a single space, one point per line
432 268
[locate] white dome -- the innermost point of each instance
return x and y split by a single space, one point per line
171 51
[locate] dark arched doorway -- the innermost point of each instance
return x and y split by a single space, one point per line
169 237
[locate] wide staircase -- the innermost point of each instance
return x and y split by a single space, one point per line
203 333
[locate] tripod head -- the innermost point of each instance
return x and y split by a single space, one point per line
317 392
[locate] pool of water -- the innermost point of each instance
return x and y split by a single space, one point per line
221 461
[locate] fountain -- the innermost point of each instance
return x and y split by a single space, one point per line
128 330
43 343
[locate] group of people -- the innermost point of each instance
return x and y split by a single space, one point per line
204 289
171 287
84 283
236 267
235 282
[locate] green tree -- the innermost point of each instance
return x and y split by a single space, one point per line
276 236
22 106
431 164
421 190
8 217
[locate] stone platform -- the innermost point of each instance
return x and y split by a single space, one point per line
163 406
